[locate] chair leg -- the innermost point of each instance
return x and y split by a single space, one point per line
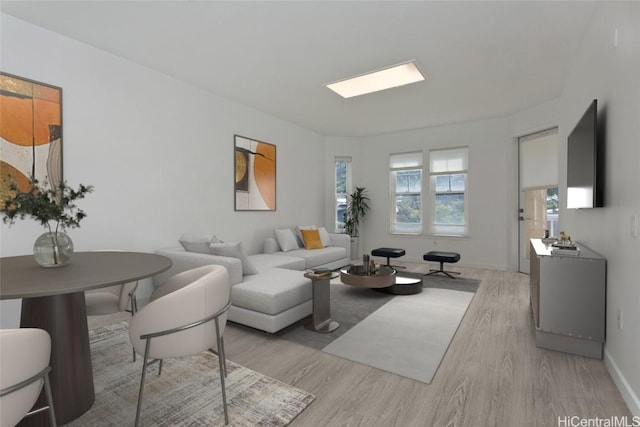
224 356
446 273
47 392
144 372
222 367
220 353
388 264
134 309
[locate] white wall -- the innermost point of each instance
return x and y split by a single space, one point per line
612 75
158 151
488 141
493 173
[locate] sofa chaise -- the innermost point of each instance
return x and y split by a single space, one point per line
269 290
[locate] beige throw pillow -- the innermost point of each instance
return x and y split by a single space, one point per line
286 240
324 236
194 242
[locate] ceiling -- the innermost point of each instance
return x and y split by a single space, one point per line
482 58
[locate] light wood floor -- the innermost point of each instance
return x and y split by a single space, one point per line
492 374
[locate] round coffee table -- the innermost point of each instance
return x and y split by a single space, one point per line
405 285
352 276
387 280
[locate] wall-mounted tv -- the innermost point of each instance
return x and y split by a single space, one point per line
584 162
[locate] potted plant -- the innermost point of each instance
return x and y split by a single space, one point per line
54 208
357 209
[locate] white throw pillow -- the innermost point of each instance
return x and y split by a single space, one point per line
271 246
192 242
234 250
324 236
286 240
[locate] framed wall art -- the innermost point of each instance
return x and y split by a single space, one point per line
255 175
30 133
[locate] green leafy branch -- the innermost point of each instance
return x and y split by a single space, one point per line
45 204
357 209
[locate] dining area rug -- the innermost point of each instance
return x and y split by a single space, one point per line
188 392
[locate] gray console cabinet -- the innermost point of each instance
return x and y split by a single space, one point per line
568 300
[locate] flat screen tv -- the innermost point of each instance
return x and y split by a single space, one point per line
584 162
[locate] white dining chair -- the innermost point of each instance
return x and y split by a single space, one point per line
113 299
185 316
24 370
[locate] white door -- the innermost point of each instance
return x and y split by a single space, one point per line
538 178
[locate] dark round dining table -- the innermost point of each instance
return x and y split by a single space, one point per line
53 300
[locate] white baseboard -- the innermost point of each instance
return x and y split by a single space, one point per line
627 392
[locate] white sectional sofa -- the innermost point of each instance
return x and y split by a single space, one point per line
278 294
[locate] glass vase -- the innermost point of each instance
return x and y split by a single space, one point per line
53 249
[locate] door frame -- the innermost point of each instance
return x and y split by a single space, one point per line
522 264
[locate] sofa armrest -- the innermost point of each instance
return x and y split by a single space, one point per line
183 261
342 240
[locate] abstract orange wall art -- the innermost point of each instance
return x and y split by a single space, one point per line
255 175
30 133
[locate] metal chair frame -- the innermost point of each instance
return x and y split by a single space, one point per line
447 273
134 307
47 390
222 360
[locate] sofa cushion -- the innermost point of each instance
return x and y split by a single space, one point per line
324 236
234 250
271 246
311 239
272 291
286 240
192 242
264 261
183 261
318 257
268 322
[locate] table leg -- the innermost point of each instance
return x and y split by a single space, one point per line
65 318
321 316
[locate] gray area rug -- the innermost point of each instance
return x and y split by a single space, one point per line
349 306
406 336
186 394
409 334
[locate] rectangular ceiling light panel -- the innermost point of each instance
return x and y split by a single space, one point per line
398 75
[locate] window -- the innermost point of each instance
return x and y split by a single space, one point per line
406 193
342 187
448 182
